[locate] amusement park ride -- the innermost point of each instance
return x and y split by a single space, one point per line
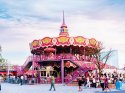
64 57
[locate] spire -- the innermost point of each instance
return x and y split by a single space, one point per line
63 28
63 24
63 18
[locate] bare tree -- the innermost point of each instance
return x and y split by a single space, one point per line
101 60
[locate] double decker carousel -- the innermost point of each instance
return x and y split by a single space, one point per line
63 56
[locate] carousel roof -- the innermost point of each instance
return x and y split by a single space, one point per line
64 40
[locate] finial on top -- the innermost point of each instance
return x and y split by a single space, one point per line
63 28
63 24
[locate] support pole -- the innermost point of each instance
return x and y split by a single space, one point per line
62 71
8 69
70 50
33 62
84 55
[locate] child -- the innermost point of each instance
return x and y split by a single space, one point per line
52 83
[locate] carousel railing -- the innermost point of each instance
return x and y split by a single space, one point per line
73 57
58 80
30 58
80 61
63 56
75 75
23 67
83 67
84 64
71 75
58 57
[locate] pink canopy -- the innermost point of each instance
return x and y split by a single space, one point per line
49 49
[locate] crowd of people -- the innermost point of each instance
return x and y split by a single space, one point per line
102 81
20 79
87 80
24 79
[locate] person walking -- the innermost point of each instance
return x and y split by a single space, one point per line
25 79
21 80
80 83
94 82
88 82
52 83
0 81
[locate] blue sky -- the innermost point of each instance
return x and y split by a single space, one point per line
22 21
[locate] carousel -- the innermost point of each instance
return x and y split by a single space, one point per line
64 56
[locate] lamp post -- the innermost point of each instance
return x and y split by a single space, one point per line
8 68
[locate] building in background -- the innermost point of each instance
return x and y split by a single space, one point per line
113 59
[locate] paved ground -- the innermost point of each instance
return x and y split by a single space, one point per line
120 91
44 88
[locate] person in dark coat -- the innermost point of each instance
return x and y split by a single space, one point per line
102 82
80 84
